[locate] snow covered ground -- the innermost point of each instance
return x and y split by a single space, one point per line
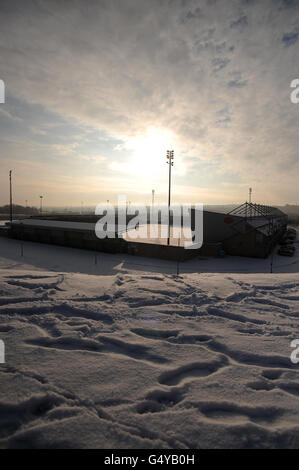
113 351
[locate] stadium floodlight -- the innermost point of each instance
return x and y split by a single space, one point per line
10 196
153 197
250 193
170 157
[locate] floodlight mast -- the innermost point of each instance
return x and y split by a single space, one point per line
10 197
170 157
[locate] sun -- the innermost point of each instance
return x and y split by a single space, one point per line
149 152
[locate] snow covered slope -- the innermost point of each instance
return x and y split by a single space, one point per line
137 359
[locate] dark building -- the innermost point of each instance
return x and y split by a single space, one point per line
248 230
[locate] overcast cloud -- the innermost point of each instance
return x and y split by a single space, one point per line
84 79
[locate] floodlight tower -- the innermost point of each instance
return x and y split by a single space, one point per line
170 157
10 196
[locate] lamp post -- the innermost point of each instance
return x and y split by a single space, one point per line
153 197
10 196
41 204
250 208
170 157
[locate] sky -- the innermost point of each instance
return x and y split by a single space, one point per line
96 92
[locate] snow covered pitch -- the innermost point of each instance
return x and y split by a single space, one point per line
120 352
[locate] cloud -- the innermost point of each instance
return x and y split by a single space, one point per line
290 3
240 22
290 38
219 63
237 83
89 76
196 13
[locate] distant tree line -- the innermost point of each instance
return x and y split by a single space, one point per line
290 209
18 209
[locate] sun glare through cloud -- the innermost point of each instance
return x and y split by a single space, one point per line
147 154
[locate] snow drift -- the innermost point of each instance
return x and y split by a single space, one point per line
140 359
